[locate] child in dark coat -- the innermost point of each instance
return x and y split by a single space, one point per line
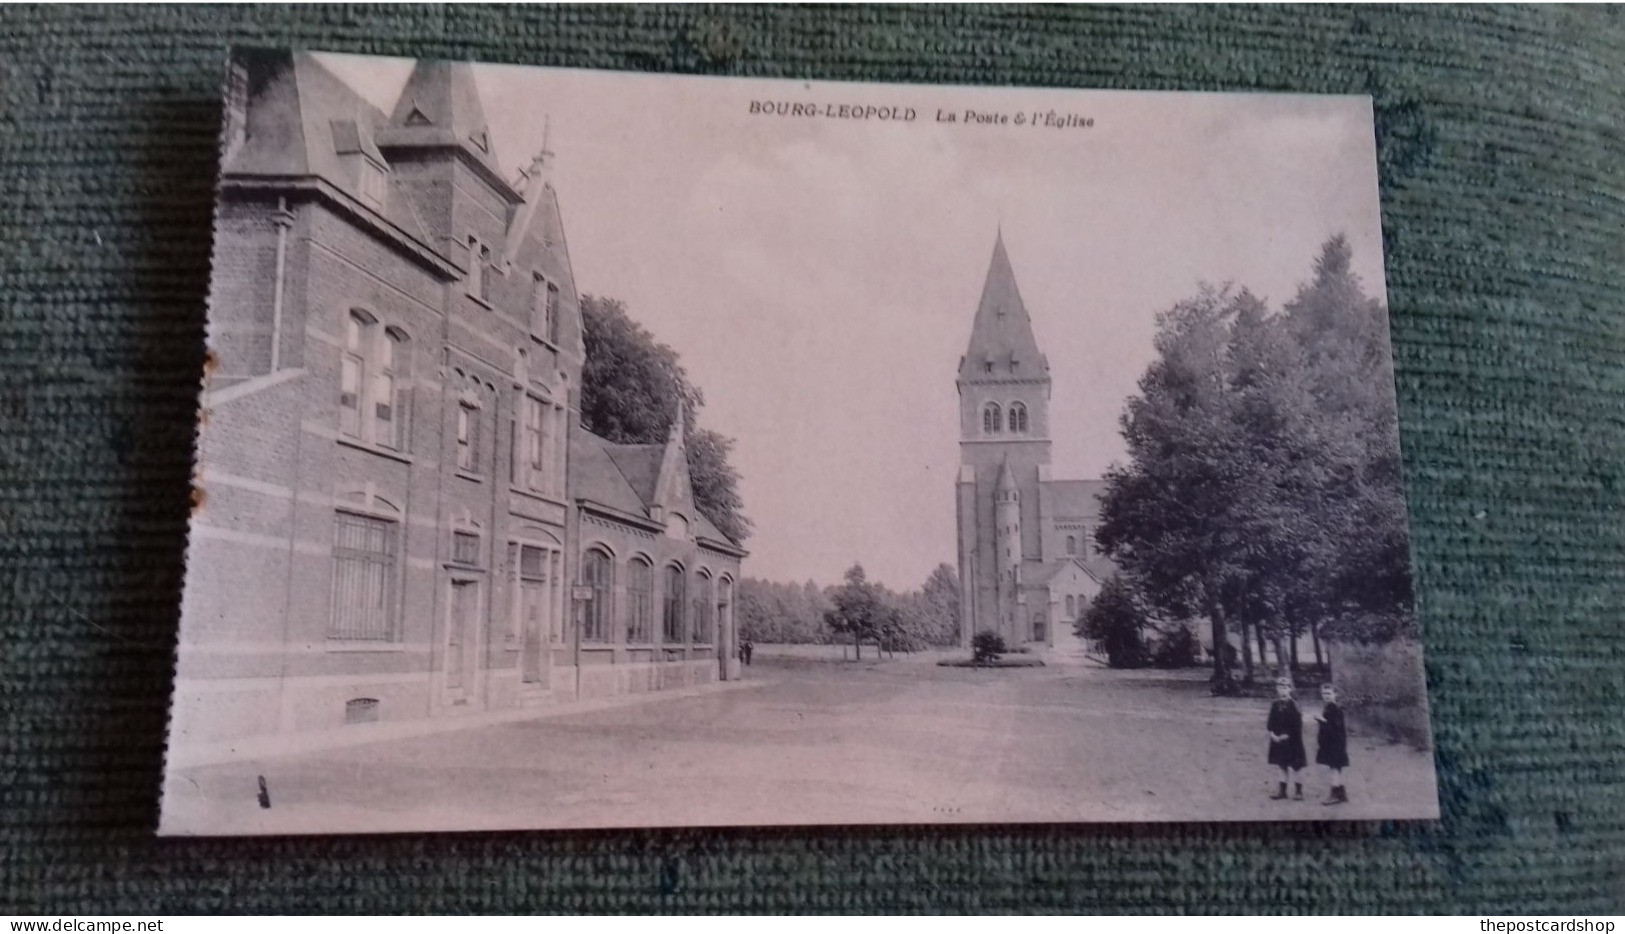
1332 745
1285 726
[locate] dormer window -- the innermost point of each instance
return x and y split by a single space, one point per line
372 183
987 366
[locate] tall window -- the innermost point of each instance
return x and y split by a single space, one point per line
703 600
544 314
1071 606
1071 544
373 379
595 573
352 376
389 394
640 582
992 419
536 446
531 566
480 270
468 437
1018 418
364 555
671 619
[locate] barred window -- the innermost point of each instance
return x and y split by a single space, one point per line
671 621
639 601
596 570
364 556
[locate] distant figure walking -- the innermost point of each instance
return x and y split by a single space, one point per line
1332 745
749 647
1285 726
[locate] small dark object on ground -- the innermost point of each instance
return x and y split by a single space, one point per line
1018 662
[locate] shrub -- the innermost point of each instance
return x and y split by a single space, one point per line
987 646
1116 621
1176 649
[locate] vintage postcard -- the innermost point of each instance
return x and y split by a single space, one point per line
588 449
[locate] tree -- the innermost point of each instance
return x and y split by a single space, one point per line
859 610
769 611
1263 485
941 596
632 386
1166 516
1116 620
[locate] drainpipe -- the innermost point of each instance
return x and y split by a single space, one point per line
283 220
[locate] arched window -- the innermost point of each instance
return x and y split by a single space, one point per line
1071 544
596 572
1018 418
703 600
992 419
1071 606
640 585
671 617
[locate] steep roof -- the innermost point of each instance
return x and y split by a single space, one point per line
302 121
1006 480
1074 498
639 464
626 478
440 107
595 476
1002 333
1095 566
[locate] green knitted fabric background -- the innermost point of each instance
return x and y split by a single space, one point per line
1500 134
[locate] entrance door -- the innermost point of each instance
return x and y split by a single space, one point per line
535 610
462 619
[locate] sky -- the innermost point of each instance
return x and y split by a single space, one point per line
818 275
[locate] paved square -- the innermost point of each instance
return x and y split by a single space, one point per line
818 740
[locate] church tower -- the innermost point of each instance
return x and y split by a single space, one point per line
1004 448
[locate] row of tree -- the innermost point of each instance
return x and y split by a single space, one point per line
858 610
1263 490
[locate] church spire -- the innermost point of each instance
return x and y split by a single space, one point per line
1002 345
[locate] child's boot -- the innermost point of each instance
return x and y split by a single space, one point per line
1297 791
1280 793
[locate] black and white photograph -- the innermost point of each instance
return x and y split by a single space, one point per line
586 449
